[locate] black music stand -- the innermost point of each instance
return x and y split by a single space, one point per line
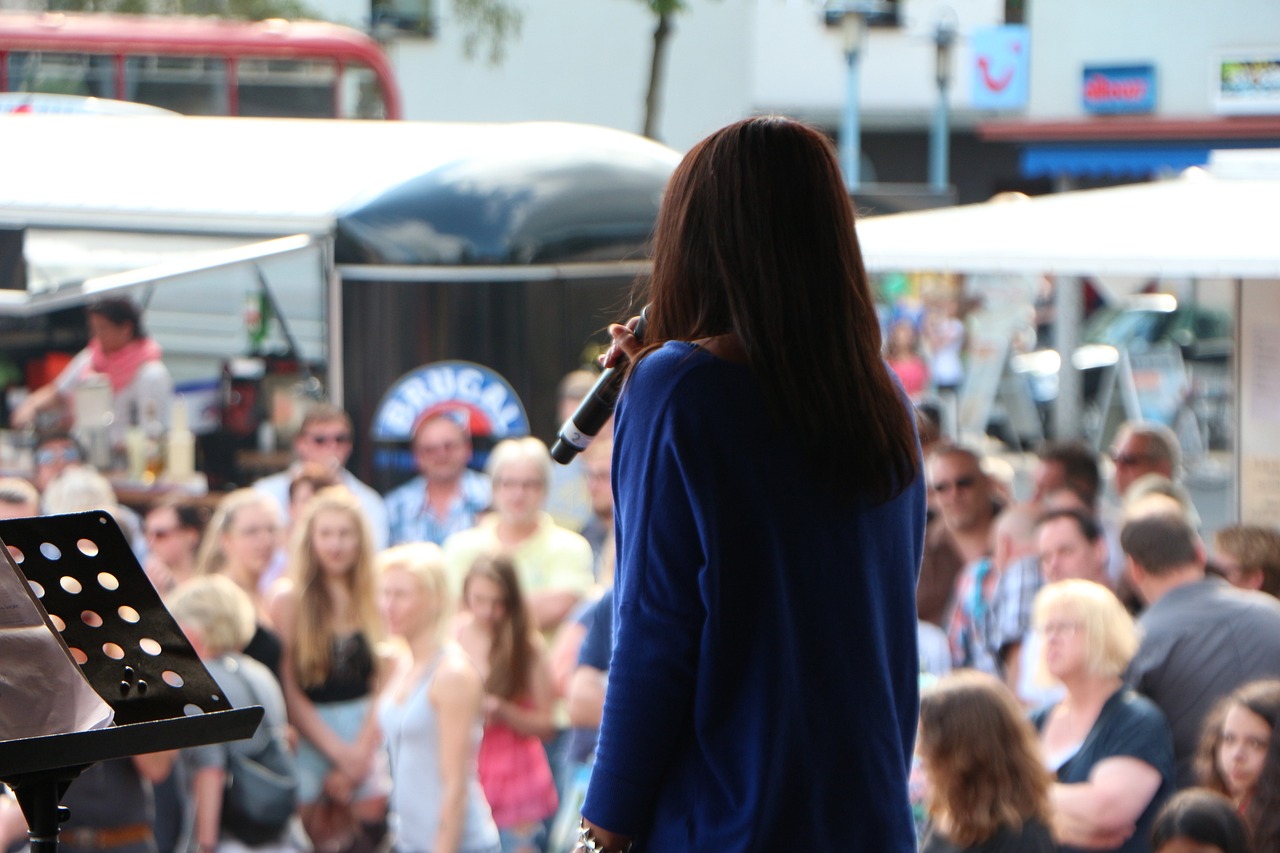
100 605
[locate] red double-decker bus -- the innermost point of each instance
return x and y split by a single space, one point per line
200 66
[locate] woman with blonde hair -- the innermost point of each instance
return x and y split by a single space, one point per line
1111 748
327 613
239 542
431 712
989 787
218 618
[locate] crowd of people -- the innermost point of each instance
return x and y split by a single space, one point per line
403 647
451 667
1126 675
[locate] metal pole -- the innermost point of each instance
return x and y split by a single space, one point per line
1067 315
940 131
850 134
939 143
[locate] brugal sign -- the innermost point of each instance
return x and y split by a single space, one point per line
1119 89
465 390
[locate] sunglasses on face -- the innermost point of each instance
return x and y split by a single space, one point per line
49 456
958 483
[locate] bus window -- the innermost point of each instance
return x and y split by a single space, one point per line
188 64
295 88
61 74
192 85
361 96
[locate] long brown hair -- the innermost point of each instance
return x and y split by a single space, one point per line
314 630
756 237
982 757
1262 809
514 644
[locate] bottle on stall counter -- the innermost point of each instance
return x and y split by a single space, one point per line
135 447
180 445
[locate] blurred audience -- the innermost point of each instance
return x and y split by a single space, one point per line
1199 821
961 531
1239 757
446 496
499 633
553 564
239 543
18 498
173 528
218 618
327 615
1201 637
431 711
988 787
568 495
1110 747
902 352
1248 556
325 438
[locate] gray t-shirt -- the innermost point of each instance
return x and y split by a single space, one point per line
1199 642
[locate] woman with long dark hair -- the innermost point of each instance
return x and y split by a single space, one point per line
1239 756
498 630
770 514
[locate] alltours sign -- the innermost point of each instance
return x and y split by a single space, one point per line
1114 89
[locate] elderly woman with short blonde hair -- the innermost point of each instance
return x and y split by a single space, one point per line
1110 748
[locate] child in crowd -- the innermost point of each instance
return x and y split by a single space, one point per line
1239 756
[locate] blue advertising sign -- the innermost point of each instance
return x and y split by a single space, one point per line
1002 67
1119 89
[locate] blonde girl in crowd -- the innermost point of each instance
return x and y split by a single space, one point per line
1239 756
217 616
239 543
431 712
327 614
498 631
989 790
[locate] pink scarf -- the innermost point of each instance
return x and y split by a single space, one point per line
122 365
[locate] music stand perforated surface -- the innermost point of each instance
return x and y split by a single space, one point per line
105 610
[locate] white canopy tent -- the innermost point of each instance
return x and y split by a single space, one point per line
1219 222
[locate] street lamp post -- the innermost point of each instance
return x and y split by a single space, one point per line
851 17
853 27
939 135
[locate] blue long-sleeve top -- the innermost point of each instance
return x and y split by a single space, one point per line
763 685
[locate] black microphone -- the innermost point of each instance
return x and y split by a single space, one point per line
594 410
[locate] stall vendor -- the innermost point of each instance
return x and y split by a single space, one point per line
120 351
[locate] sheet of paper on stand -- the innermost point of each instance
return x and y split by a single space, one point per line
34 653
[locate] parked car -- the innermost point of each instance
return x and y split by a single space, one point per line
1143 323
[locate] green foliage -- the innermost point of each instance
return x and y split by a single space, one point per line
490 23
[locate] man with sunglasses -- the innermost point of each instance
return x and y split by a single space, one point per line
960 533
1141 448
325 439
54 454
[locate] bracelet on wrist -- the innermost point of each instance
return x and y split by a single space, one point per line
588 843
